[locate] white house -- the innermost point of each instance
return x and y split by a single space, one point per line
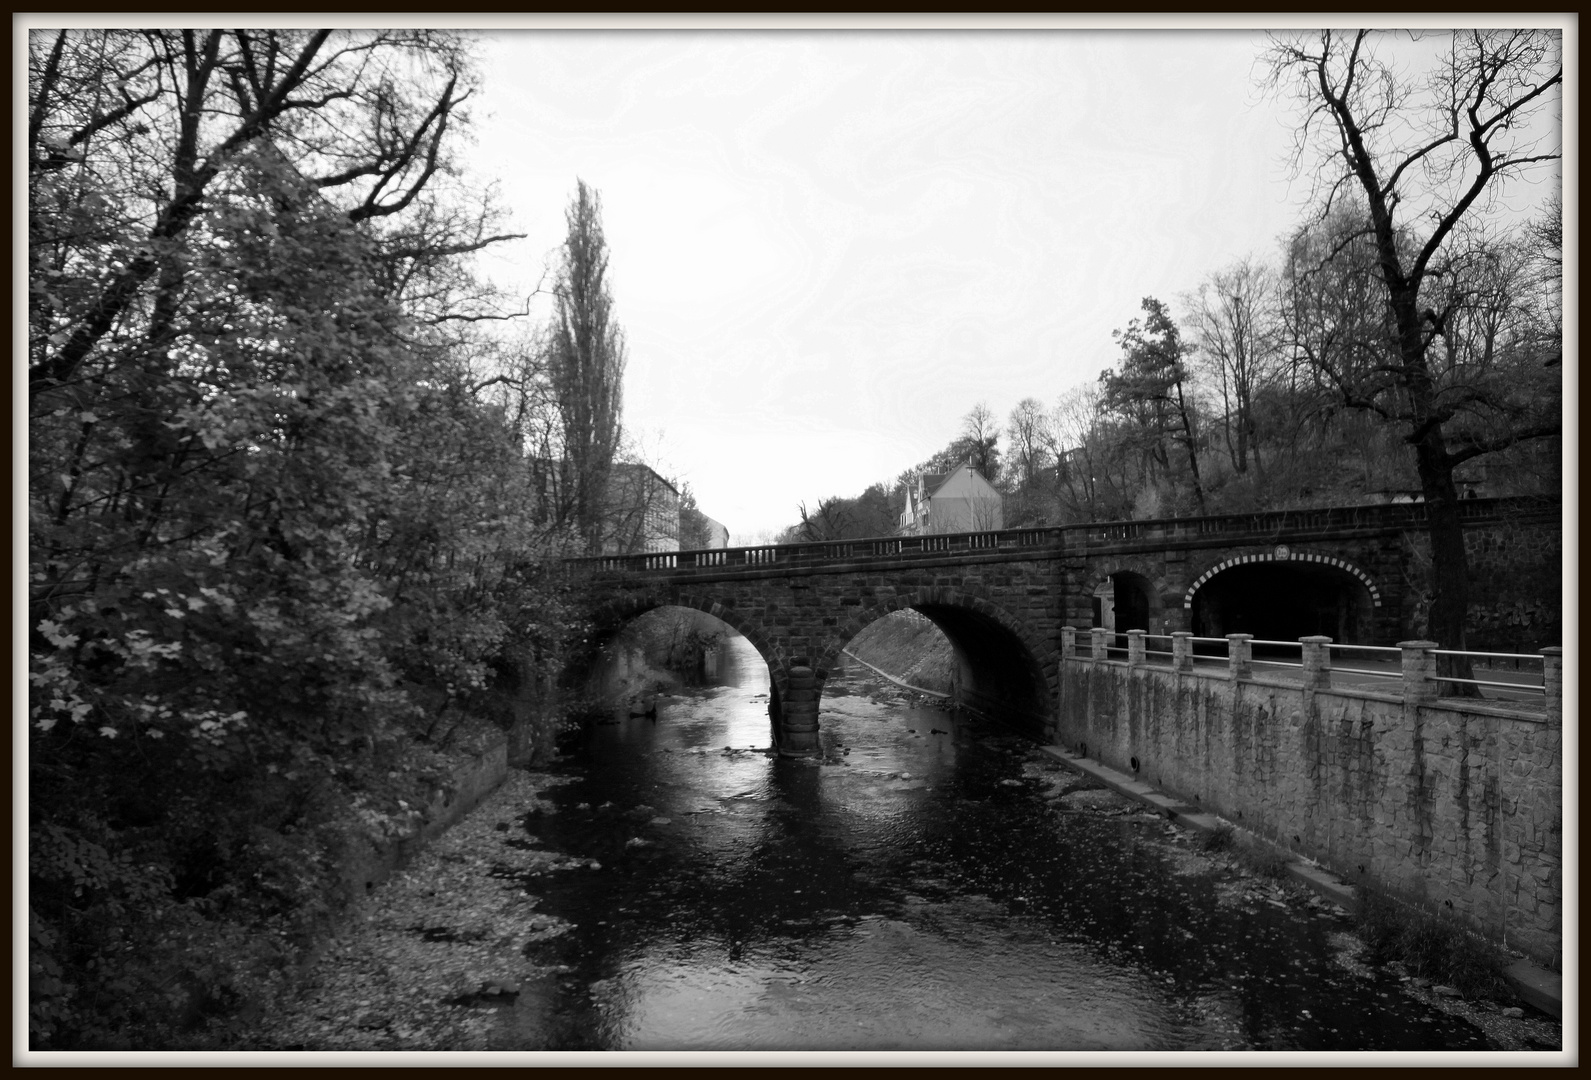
958 501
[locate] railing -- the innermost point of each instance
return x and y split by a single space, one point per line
1318 663
1516 658
1271 526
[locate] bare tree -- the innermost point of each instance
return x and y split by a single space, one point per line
1426 157
1025 436
832 519
1232 315
1091 472
979 442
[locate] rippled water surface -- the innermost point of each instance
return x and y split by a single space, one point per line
911 890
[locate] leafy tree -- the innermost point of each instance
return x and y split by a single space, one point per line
695 529
1426 157
277 543
1150 392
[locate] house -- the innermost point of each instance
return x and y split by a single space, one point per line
717 534
958 501
642 512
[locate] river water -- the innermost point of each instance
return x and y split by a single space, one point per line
918 887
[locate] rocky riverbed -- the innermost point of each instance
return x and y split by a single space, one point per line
440 952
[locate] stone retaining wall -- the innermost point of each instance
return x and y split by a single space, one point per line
1454 807
370 862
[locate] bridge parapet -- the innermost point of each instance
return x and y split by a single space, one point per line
1530 684
1271 526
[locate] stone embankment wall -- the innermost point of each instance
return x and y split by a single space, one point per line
909 647
1454 807
368 862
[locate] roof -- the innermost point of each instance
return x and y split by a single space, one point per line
631 467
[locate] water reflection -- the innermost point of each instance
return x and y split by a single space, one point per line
908 890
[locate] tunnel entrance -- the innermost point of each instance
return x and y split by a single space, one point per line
1284 601
1122 603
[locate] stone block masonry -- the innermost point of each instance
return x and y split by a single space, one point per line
1451 806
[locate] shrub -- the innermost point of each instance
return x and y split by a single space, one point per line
1219 838
1431 947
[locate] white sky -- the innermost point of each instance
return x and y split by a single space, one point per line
827 246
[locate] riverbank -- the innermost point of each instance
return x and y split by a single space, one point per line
426 959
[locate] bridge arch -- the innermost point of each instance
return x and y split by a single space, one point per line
610 618
1003 667
1324 594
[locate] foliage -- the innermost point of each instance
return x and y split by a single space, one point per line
1432 948
1220 838
278 538
1148 392
695 527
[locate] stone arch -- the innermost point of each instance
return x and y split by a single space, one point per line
1283 595
613 615
1037 659
1284 554
1160 592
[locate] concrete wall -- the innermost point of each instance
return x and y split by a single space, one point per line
1456 808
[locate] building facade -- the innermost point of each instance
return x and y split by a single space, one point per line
958 501
642 512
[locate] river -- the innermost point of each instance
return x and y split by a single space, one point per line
929 883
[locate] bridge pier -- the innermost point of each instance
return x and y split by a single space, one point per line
798 706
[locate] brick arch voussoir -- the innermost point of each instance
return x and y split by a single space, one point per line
634 605
1317 557
963 597
1041 653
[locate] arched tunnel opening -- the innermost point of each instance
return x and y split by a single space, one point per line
1284 601
1123 602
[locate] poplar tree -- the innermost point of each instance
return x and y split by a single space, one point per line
586 368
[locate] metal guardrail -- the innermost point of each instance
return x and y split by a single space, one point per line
1409 668
1269 525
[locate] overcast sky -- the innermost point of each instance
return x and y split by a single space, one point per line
827 246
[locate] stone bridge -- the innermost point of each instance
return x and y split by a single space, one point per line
1003 597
